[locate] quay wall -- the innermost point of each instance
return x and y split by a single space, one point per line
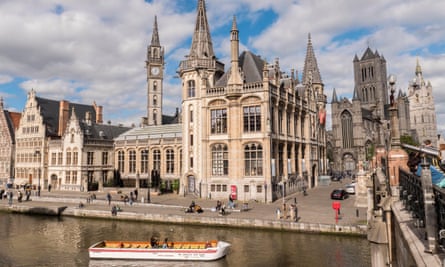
191 219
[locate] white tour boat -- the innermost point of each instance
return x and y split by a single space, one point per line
143 250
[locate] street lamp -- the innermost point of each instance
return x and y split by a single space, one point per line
37 154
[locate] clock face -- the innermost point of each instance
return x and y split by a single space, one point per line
155 70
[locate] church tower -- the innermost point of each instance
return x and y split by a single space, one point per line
370 79
155 76
422 110
198 72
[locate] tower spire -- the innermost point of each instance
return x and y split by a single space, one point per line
418 68
202 46
311 71
334 97
155 36
235 76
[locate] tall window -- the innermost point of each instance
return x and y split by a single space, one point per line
220 160
132 161
155 86
253 160
90 158
74 177
252 119
144 161
191 88
68 158
121 161
53 158
157 159
155 100
59 158
170 161
346 129
218 121
105 158
67 177
75 158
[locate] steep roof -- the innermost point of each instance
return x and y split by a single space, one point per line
102 131
251 66
50 111
202 46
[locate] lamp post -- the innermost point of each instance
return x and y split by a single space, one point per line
37 154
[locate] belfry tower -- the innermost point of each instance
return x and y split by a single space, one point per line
155 76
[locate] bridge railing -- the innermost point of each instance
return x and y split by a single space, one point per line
411 194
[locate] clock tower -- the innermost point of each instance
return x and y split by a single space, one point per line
155 75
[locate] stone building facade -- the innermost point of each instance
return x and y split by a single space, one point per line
42 125
9 122
252 131
82 158
361 125
422 109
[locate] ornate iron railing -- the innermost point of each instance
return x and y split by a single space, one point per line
411 194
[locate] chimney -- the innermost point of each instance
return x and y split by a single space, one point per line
99 110
64 112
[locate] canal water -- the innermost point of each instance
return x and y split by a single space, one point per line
50 241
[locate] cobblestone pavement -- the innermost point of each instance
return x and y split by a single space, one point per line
316 207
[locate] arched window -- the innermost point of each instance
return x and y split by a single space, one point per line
347 130
132 161
155 100
170 164
191 88
220 160
157 159
144 161
155 86
121 161
253 160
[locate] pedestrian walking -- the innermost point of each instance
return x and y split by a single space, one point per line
278 212
49 187
109 198
10 196
114 210
136 194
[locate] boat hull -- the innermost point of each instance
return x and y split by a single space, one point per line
137 252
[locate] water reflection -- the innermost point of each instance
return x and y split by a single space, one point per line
49 241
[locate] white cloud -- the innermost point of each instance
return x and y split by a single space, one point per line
95 50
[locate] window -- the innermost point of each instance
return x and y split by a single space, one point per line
53 158
67 177
220 160
104 158
121 161
59 158
252 119
74 177
75 157
259 188
347 130
191 88
156 159
144 161
170 161
246 188
218 121
253 160
155 100
191 140
90 158
132 161
155 85
68 158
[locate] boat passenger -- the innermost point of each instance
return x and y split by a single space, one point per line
153 242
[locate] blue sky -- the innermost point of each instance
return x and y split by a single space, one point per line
85 51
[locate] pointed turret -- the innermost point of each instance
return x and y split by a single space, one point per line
235 82
155 36
355 95
202 46
334 96
418 68
311 73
